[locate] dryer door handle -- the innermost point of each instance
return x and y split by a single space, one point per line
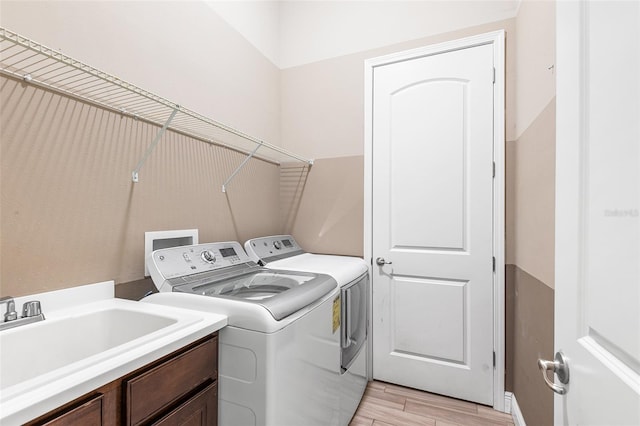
346 324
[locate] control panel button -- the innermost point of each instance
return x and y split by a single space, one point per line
277 245
186 257
208 256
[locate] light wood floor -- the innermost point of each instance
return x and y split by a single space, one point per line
386 404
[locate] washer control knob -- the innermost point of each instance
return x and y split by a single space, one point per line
277 245
208 256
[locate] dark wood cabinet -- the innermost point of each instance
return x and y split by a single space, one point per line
84 413
178 389
148 394
201 410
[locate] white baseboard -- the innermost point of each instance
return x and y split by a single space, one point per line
511 406
507 402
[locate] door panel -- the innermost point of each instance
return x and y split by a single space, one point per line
438 129
423 301
597 211
433 220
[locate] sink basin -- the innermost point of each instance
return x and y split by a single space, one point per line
34 350
79 348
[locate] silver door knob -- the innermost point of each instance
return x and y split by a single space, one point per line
381 262
558 366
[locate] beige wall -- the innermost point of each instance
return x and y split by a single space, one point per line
323 103
312 31
69 213
323 205
535 61
531 213
531 198
529 331
181 50
532 150
530 270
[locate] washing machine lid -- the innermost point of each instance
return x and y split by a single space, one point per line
280 292
344 269
223 270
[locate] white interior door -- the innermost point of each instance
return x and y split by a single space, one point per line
597 312
432 222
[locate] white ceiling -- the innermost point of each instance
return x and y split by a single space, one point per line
296 32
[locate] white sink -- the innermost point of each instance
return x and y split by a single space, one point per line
41 348
80 348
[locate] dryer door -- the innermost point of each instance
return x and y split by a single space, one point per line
354 319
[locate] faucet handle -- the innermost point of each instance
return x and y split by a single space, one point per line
11 313
31 309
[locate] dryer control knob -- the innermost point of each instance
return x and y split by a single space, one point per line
208 256
277 245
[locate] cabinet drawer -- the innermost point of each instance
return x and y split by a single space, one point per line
201 410
155 390
87 413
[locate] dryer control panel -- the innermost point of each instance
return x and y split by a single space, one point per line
183 261
268 249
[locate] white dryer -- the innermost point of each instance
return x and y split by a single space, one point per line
283 252
279 353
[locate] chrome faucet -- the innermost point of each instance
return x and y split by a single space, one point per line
31 312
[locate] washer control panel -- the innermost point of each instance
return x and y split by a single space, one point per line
187 260
270 248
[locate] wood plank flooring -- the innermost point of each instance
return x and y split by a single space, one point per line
385 404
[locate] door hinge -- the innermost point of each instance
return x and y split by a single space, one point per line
494 264
494 169
494 359
494 75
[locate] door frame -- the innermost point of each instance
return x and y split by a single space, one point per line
497 40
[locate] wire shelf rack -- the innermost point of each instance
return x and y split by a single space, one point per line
39 65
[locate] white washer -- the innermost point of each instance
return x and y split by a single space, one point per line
279 354
283 252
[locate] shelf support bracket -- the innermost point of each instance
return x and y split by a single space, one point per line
233 175
134 174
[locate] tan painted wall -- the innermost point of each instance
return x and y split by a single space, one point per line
531 213
181 50
70 212
531 198
529 331
530 228
323 206
530 247
535 61
323 102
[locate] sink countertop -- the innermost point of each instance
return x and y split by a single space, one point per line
31 398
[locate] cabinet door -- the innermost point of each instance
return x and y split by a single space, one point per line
87 414
201 410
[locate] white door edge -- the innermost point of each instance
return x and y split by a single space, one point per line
497 40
